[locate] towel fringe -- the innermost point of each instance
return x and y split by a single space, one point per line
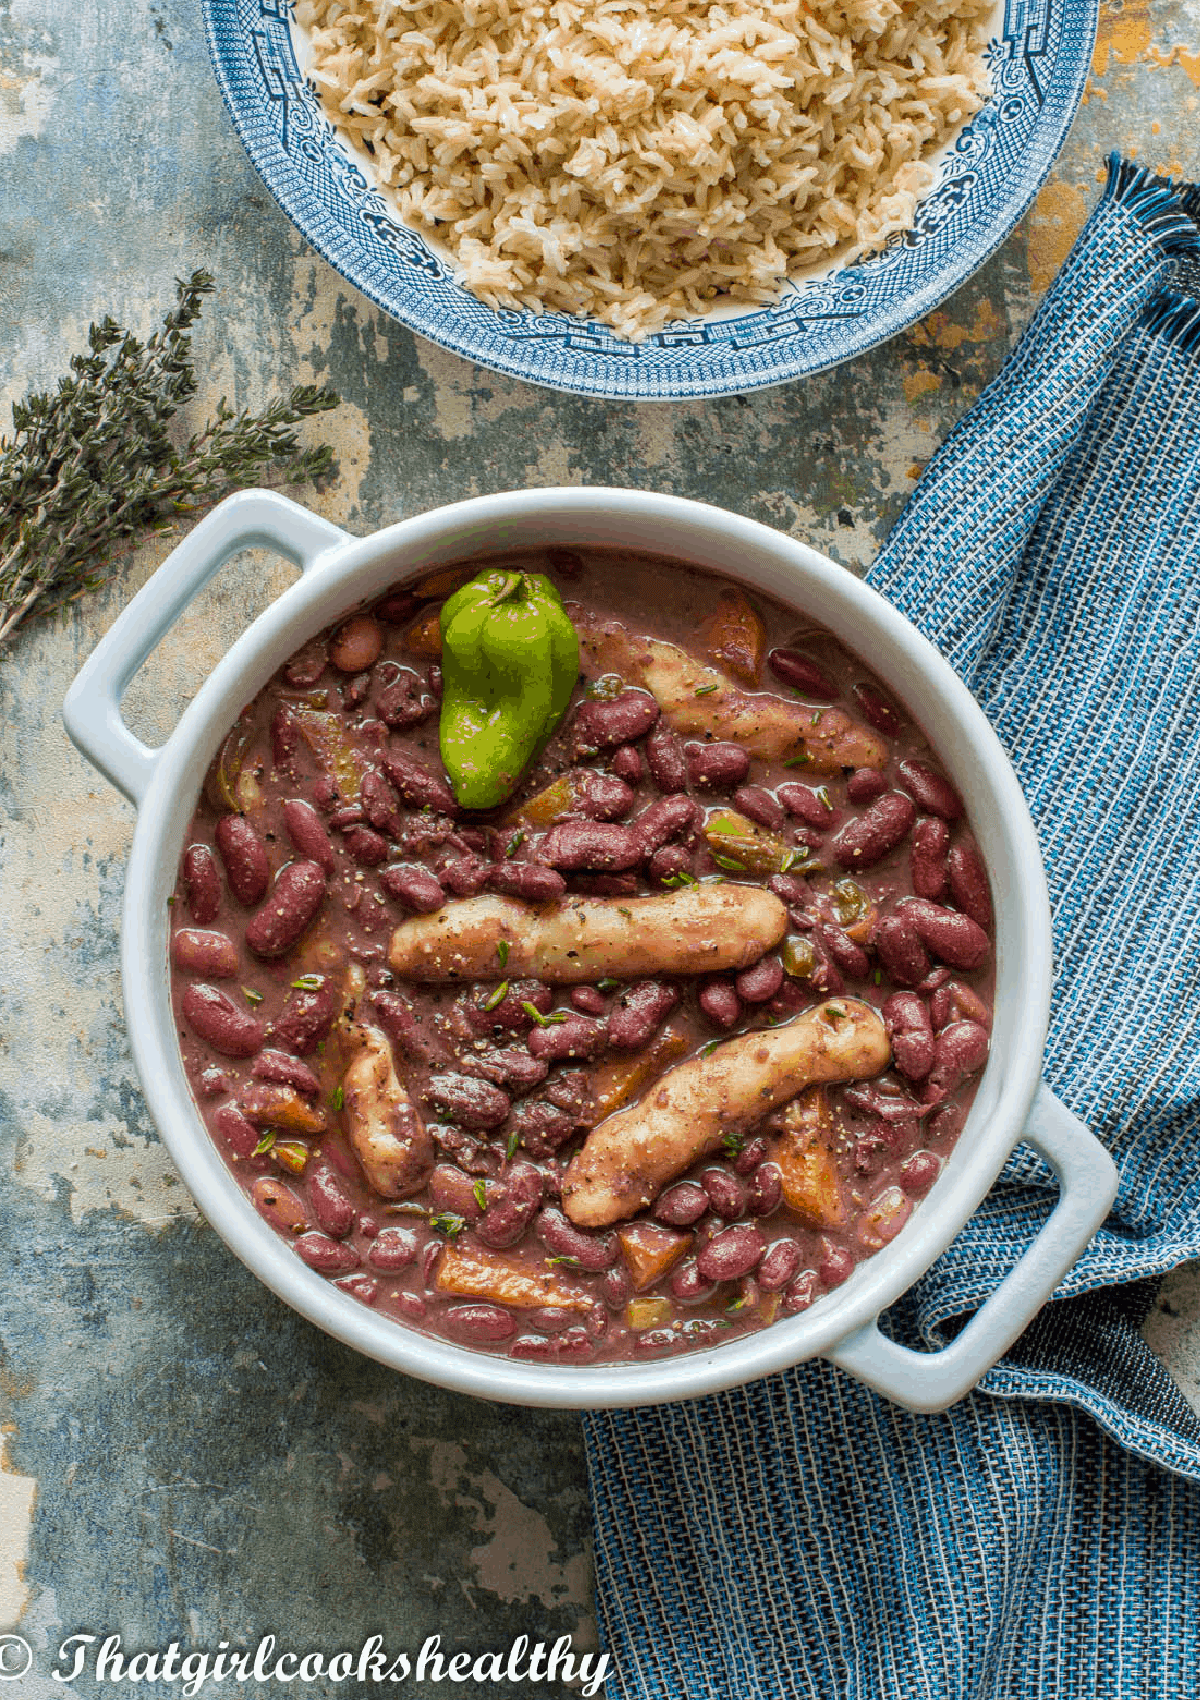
1175 317
1165 209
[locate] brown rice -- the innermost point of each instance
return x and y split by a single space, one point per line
636 161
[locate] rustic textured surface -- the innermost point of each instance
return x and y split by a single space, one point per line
183 1457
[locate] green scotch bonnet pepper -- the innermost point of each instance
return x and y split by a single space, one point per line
510 659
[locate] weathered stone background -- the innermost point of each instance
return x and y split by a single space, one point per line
182 1456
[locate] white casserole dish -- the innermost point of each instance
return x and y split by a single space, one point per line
339 571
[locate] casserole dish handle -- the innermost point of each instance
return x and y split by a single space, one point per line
252 519
931 1381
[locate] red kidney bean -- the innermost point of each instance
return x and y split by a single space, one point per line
802 803
803 675
355 690
591 844
931 840
955 939
511 1011
900 951
666 761
356 645
681 1204
380 804
654 1340
935 979
759 806
404 700
201 883
289 911
801 1293
717 767
526 880
547 1319
285 736
670 861
279 1069
307 665
450 1189
958 1051
351 815
307 832
836 1265
639 1012
865 784
327 1256
512 1203
428 1262
472 1103
482 1323
245 857
600 725
601 796
240 1134
726 1195
779 1263
876 708
275 1200
331 1204
577 1036
616 1287
607 885
765 1190
969 884
732 1253
720 1003
216 1019
466 875
626 764
393 1249
932 792
307 1016
360 1287
592 1252
789 889
913 1054
955 1002
395 609
366 847
919 1172
877 831
750 1156
761 981
907 1021
410 1305
413 886
851 958
664 820
826 977
688 1285
588 1001
573 1346
514 1069
212 954
420 787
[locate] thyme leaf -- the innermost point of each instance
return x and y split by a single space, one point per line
93 464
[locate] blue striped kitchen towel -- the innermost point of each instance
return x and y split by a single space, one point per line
802 1536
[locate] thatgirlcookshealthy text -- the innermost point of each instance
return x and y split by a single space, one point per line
524 1661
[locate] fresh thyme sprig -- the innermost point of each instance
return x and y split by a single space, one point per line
92 464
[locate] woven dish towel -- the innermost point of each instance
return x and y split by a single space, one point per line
801 1536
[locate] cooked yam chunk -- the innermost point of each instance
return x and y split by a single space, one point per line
650 1250
812 1186
701 929
628 1159
474 1272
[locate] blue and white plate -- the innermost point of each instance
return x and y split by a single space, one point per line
1038 58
